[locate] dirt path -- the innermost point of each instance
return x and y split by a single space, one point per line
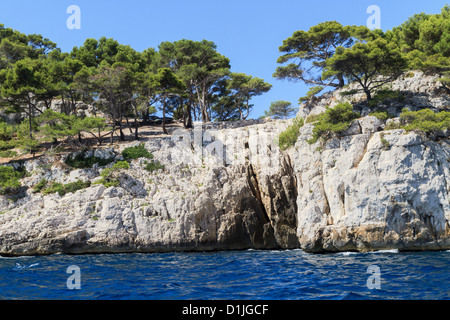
145 133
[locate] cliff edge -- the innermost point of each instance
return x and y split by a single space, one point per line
229 187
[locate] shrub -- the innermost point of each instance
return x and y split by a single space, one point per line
6 131
386 144
8 154
333 120
9 180
153 166
289 137
313 118
380 115
349 93
136 152
121 165
82 162
63 189
382 95
311 93
425 120
108 179
40 185
8 144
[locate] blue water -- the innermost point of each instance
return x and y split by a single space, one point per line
245 275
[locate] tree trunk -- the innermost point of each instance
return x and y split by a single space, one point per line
30 121
341 80
99 140
136 124
368 94
189 116
164 117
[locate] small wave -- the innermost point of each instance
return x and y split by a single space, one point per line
387 251
15 258
22 267
347 253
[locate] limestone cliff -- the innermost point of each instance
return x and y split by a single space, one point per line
229 187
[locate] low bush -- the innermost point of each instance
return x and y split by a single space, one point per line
82 162
383 95
380 115
311 93
108 178
6 131
8 154
153 166
136 152
63 189
9 180
332 121
289 137
40 186
425 120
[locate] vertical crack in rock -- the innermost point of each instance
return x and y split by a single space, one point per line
277 196
254 187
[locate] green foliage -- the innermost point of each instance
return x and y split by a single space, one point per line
40 186
383 95
313 117
333 121
307 52
9 180
120 165
136 152
370 64
108 175
349 93
6 145
311 93
280 110
6 131
82 162
244 87
386 144
425 40
425 120
8 154
153 166
55 125
380 115
63 189
289 137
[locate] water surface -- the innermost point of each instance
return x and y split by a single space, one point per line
242 275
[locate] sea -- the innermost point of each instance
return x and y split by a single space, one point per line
235 275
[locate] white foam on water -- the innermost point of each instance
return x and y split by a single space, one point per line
347 253
22 267
15 258
387 251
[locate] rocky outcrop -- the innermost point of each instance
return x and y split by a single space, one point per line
231 188
359 195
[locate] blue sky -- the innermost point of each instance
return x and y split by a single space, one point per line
248 32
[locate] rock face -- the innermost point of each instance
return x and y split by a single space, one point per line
363 196
231 188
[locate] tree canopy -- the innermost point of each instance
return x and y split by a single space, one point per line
330 54
280 110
